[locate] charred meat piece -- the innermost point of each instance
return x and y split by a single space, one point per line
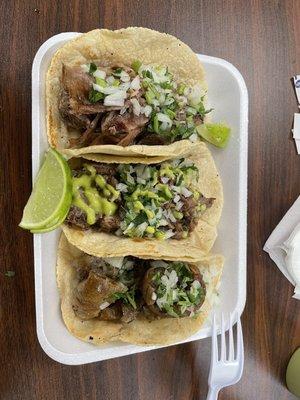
72 119
93 292
77 217
108 224
152 139
190 214
151 284
88 135
111 313
208 201
121 129
94 108
76 82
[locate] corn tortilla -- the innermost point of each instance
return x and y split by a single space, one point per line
140 331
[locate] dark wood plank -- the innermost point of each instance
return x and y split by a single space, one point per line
260 38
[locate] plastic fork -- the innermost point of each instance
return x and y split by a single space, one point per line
226 369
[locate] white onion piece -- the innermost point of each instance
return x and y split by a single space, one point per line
147 110
124 77
104 305
108 89
135 83
164 179
124 86
176 198
121 187
136 107
113 102
110 80
169 234
99 74
154 296
193 138
195 95
179 205
164 118
115 99
186 192
116 262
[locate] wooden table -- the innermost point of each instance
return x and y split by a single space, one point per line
261 38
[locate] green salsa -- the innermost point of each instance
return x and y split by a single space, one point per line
94 195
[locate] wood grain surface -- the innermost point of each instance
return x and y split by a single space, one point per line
262 39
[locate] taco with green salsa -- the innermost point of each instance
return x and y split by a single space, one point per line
170 208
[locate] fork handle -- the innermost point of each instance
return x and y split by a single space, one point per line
212 393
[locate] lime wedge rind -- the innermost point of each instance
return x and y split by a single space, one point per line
53 226
65 198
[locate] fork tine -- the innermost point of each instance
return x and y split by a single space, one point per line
231 344
214 350
240 343
223 339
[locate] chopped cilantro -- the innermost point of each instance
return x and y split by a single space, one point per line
95 96
93 68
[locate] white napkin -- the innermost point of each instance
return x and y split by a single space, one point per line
275 245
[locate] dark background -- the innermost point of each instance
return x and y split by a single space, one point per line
262 39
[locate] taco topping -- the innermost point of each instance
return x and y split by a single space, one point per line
124 105
156 201
119 289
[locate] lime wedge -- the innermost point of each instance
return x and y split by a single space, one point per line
216 134
51 197
51 226
293 374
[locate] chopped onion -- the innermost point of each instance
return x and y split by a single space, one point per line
140 229
99 74
124 86
154 296
176 198
195 95
164 118
163 222
104 305
193 138
110 80
122 187
136 107
171 216
169 234
115 99
124 76
186 192
116 262
164 179
179 205
107 89
113 102
135 83
147 110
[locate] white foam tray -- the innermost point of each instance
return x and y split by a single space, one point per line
228 96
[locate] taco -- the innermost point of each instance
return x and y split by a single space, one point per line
143 302
168 209
128 92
